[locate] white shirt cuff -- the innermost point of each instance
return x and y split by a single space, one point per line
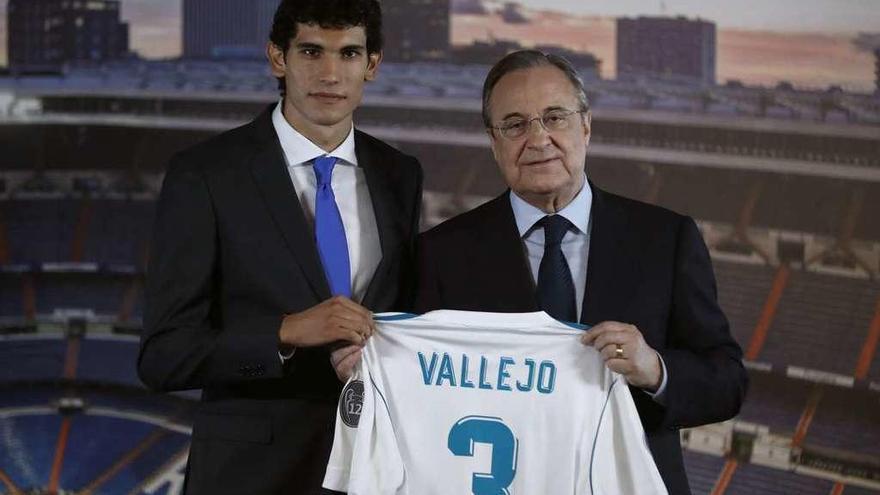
660 395
285 356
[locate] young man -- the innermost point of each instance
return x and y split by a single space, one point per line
273 243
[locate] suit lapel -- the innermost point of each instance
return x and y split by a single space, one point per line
388 217
610 267
502 254
270 174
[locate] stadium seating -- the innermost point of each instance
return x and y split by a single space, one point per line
119 231
750 479
702 471
775 402
821 322
27 447
10 297
39 230
97 292
33 359
857 490
106 360
742 291
847 422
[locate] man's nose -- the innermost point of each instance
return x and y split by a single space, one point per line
329 70
537 135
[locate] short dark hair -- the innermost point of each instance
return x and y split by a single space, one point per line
527 59
328 14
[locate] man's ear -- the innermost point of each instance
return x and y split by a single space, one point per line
277 62
588 125
373 61
492 142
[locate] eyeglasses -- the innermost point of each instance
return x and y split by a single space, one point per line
551 121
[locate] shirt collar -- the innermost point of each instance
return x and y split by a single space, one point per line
298 150
577 212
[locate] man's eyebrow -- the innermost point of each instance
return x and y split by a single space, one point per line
554 107
309 45
512 114
353 47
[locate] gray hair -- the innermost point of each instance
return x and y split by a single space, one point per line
527 59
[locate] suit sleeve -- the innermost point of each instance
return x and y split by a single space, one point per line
409 270
181 346
428 296
707 381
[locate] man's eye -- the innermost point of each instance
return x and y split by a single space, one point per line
350 53
554 117
514 126
309 52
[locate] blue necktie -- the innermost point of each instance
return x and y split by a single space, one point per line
329 230
555 286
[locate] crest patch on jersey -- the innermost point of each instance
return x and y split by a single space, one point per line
351 403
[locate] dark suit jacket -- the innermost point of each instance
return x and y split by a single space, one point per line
647 266
232 253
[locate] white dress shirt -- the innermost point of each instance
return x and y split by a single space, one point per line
575 247
352 197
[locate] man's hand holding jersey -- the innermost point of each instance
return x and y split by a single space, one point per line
338 319
625 351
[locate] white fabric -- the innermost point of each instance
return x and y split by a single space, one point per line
581 436
352 197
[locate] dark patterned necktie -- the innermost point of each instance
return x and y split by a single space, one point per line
555 287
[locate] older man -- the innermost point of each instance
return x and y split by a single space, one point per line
639 274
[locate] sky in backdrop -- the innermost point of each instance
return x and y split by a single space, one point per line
807 42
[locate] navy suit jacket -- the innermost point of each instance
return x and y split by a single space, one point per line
232 253
647 266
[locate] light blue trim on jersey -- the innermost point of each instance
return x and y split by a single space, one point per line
409 316
396 317
576 326
596 437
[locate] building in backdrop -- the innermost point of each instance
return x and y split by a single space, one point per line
877 70
416 30
669 48
45 36
226 29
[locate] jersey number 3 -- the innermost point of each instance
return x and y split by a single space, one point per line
481 429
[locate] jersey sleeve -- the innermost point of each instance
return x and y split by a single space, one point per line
365 458
621 461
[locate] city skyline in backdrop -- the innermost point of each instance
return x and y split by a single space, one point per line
758 42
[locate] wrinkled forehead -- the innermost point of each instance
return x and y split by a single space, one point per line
531 92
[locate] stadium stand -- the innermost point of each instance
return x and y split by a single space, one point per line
846 421
857 490
35 358
821 322
100 293
702 471
119 231
10 296
742 290
750 479
776 402
39 230
109 359
98 442
27 446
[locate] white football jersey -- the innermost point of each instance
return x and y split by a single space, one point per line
457 402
